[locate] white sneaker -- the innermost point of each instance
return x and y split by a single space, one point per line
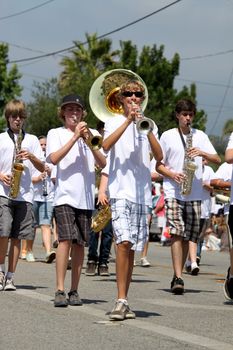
30 257
2 280
50 257
145 262
194 269
9 285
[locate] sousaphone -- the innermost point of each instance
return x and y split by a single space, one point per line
103 94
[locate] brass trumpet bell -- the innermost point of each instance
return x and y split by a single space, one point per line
103 97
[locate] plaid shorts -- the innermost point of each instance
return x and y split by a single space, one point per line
129 221
183 218
72 223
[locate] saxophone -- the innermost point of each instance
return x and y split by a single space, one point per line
101 218
17 168
189 167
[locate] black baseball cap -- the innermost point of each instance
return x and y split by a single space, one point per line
73 99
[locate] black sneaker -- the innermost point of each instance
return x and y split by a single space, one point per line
228 286
177 285
103 270
74 298
60 299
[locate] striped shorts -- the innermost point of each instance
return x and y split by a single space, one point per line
183 218
129 221
73 224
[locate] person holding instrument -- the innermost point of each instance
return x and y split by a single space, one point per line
43 203
74 192
16 189
183 147
129 181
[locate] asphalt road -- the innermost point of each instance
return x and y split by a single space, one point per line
199 319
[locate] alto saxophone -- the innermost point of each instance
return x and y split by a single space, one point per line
17 168
189 167
101 218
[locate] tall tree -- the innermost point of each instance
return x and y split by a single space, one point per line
9 82
42 110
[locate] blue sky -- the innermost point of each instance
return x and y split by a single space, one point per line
193 28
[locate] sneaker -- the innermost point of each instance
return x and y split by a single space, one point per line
198 260
74 298
55 244
187 268
30 257
69 264
50 257
9 284
228 286
177 285
129 315
23 255
194 269
119 312
60 299
90 269
145 262
103 270
2 280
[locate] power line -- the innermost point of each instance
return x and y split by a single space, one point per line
222 103
27 10
99 37
207 55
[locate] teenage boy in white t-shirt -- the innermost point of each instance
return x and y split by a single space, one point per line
74 192
228 285
129 187
16 212
183 211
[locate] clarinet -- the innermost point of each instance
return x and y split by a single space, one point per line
44 184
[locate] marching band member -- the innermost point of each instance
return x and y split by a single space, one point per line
129 185
74 192
179 146
16 204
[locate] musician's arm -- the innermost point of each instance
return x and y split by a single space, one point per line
229 156
155 147
58 155
220 183
110 141
164 171
100 159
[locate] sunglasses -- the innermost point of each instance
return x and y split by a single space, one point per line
15 116
131 93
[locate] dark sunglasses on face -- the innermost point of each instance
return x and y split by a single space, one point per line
15 116
131 93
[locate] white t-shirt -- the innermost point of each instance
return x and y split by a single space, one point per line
75 179
129 164
230 145
206 203
224 173
31 143
173 153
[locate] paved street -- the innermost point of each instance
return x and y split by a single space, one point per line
199 319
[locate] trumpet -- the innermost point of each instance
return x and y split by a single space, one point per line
144 125
93 141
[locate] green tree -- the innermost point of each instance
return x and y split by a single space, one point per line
9 82
228 128
42 110
86 64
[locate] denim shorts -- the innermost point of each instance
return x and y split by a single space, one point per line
16 219
129 221
43 212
